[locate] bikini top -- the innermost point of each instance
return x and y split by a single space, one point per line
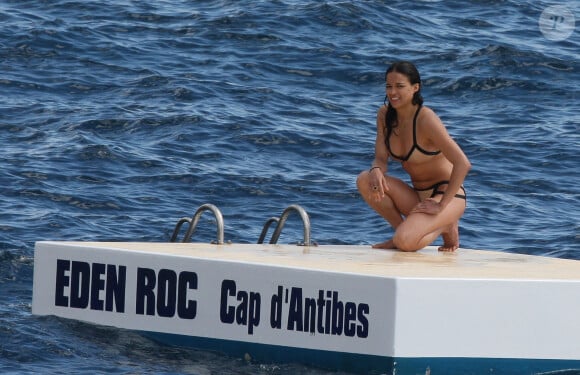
415 144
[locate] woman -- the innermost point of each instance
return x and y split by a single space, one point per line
412 134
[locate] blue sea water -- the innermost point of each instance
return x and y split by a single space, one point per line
117 118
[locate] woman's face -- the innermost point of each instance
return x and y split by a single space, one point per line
400 91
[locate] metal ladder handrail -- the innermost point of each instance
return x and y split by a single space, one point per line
282 220
266 227
195 219
178 226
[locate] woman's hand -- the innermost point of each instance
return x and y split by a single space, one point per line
378 184
429 206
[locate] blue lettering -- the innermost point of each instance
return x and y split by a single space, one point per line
116 281
363 329
326 314
327 322
62 281
337 314
227 313
242 310
80 279
85 284
145 294
276 309
349 317
248 310
165 293
97 284
186 309
295 311
310 315
320 313
254 311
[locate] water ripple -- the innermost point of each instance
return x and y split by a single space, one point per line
118 118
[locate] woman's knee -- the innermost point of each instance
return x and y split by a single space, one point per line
362 180
406 239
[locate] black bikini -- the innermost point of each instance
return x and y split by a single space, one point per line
436 190
436 186
415 144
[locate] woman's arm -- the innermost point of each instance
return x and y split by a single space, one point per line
381 153
441 140
379 166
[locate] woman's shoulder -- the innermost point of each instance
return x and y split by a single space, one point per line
428 117
427 111
429 125
381 113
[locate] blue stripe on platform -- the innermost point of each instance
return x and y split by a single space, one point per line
263 353
486 366
372 364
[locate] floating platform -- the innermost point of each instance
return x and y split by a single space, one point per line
349 308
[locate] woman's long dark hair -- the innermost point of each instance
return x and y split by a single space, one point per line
410 71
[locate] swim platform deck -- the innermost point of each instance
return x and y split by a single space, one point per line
426 263
346 307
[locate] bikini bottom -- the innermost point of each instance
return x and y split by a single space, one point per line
436 190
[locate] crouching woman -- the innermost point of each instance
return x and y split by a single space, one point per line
413 135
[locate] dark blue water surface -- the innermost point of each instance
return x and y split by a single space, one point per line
119 117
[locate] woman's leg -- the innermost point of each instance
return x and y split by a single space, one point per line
420 230
398 201
450 238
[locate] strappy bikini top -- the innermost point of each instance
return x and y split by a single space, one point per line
415 145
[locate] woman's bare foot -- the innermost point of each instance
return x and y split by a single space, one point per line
389 244
450 238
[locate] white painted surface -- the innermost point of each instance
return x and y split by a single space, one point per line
499 318
376 323
426 304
